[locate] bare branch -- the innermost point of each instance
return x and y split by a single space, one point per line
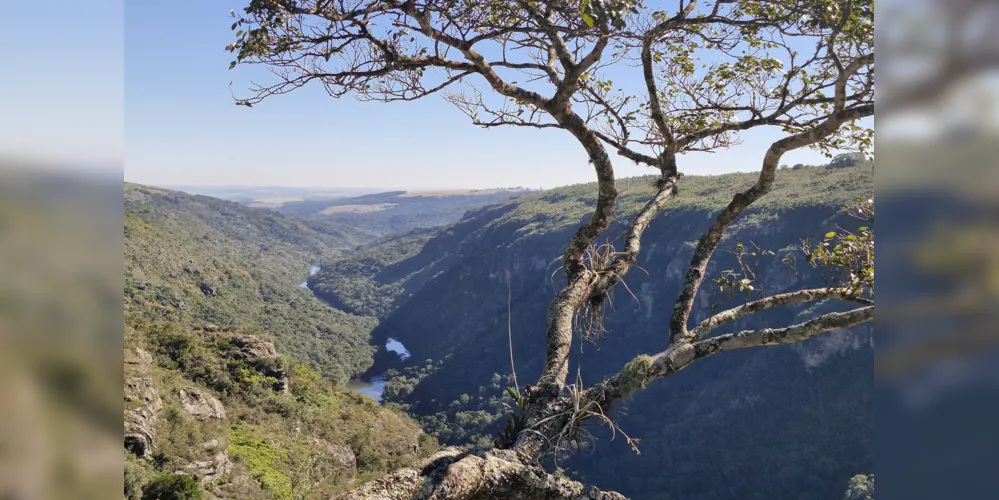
784 299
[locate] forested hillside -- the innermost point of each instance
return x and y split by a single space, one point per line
789 422
234 373
195 259
398 211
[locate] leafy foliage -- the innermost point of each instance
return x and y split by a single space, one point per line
861 488
172 487
361 282
846 258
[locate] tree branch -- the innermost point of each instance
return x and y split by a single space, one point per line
784 299
644 369
709 241
655 107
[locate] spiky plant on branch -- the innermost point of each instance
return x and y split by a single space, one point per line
696 75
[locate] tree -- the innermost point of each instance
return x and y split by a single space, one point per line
707 72
847 160
861 487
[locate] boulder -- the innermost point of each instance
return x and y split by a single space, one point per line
209 471
341 457
201 405
251 347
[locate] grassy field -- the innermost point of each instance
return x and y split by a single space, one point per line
449 192
356 209
274 202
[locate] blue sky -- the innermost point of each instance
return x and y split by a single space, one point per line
182 128
62 83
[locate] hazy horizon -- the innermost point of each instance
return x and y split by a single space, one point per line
388 188
184 128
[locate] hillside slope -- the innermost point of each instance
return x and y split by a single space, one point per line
715 431
195 259
398 211
233 373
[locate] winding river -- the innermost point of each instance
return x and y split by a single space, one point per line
375 386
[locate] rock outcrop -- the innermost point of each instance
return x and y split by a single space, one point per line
453 473
142 402
258 353
209 471
341 457
201 405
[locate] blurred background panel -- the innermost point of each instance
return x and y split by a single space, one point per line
61 137
937 183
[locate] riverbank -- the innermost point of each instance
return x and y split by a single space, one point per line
372 386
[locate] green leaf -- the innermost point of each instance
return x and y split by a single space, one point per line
588 19
831 234
513 395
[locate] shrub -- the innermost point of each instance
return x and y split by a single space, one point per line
172 487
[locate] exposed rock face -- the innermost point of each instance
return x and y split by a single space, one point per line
252 347
452 473
201 406
209 471
260 354
142 402
340 456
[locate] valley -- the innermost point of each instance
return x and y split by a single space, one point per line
386 342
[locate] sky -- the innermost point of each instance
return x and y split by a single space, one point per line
62 84
181 126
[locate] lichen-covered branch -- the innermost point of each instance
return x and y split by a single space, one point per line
644 369
708 243
784 299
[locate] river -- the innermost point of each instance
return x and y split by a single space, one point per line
312 272
375 386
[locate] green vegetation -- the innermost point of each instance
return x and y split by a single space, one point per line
555 210
207 282
456 385
172 487
210 288
197 261
263 459
358 283
861 488
397 211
